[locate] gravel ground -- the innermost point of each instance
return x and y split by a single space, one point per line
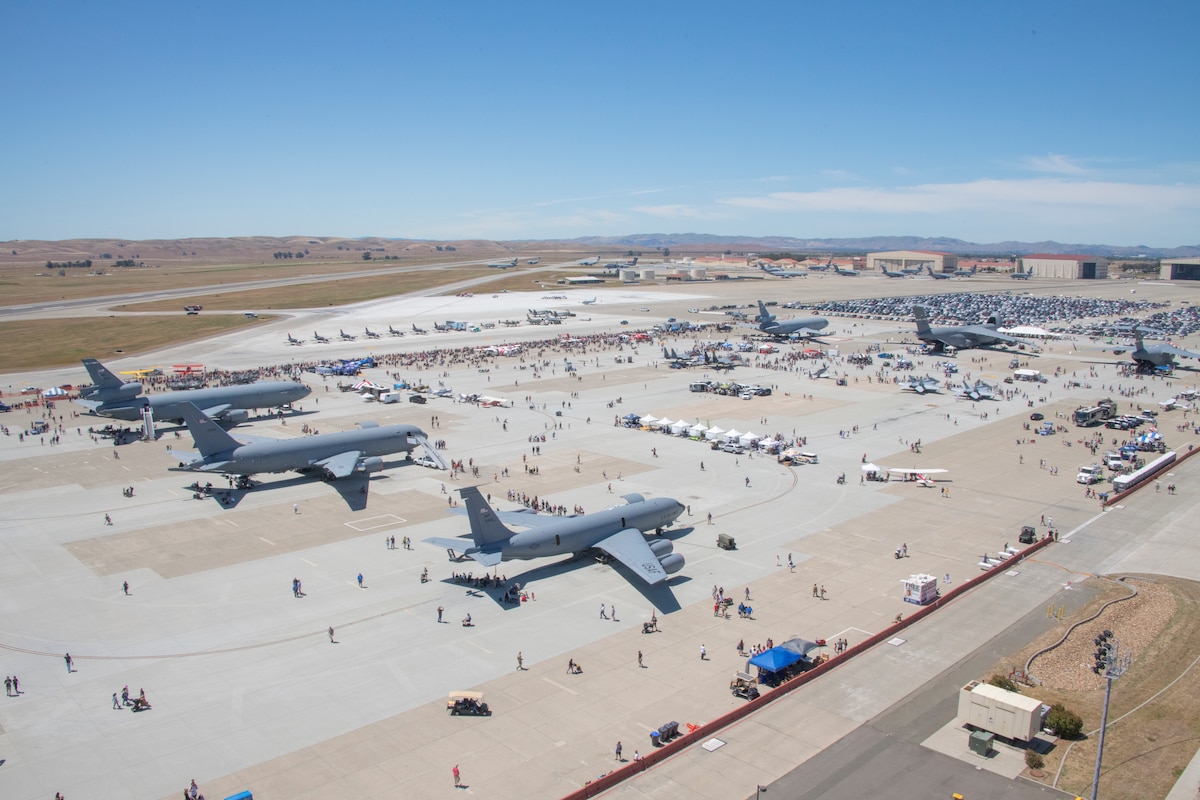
1135 623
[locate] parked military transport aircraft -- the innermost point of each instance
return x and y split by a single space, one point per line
804 326
109 396
1021 276
329 455
617 531
512 262
1149 356
965 273
939 276
961 336
588 262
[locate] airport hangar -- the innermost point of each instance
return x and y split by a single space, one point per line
1179 269
895 260
1065 267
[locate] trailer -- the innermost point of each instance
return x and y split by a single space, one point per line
1007 714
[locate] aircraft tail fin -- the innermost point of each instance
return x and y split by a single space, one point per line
209 437
993 319
763 316
921 318
101 375
486 527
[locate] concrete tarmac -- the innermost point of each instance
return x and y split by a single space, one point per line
249 692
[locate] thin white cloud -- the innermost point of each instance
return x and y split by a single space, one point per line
1054 163
676 211
839 174
981 195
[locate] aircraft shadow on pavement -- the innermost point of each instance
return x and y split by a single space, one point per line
354 490
660 595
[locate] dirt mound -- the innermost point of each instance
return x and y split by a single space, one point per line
1135 623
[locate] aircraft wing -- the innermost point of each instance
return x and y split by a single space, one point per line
980 330
212 412
630 548
1175 351
340 466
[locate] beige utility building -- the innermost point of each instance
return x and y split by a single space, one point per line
897 260
1065 267
1179 269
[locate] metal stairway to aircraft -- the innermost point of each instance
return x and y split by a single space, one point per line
432 452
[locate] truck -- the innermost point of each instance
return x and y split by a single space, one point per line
1093 473
1086 416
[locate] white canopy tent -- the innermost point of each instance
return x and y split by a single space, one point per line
715 432
733 435
649 419
748 439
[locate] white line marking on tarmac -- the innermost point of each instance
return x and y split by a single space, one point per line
306 561
560 686
481 647
268 541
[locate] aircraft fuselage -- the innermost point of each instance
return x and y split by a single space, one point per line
166 407
301 454
575 534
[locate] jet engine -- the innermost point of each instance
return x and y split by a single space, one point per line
372 464
235 417
671 563
662 547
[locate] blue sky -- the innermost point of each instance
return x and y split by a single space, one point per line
1072 121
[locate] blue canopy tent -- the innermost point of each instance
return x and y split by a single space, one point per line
776 659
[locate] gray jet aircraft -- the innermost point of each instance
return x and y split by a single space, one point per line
617 531
329 455
939 276
961 337
920 385
1149 356
804 326
109 396
976 391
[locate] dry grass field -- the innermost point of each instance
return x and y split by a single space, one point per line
171 264
37 344
325 293
1144 753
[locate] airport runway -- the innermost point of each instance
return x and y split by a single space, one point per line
248 692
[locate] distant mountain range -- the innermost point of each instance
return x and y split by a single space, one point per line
649 241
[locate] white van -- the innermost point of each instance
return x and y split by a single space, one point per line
1090 474
390 397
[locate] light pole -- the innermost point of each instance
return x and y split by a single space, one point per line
1111 663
